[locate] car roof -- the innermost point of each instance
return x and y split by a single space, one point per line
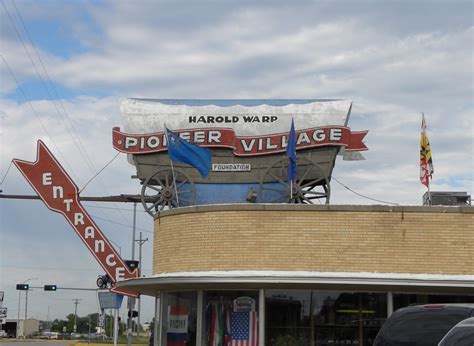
443 305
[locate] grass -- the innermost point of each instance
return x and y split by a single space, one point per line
142 340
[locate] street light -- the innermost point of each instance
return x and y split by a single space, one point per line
26 309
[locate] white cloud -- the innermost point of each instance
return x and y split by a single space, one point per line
392 62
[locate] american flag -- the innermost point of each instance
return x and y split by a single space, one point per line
243 328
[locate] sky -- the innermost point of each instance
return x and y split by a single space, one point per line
64 65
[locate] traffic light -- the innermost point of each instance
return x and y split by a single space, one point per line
132 264
22 287
132 313
50 287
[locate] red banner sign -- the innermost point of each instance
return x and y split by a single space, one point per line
243 145
60 194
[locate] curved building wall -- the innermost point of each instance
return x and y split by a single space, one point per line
320 238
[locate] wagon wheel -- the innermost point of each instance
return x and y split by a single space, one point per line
310 186
159 191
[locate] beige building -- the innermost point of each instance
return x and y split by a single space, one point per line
307 274
23 329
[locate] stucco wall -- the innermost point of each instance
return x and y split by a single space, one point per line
437 240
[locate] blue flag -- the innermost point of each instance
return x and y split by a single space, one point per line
181 150
291 153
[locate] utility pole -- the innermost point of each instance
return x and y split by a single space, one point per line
76 301
131 301
17 336
26 308
47 320
140 242
26 313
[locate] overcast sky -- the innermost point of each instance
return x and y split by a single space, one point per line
394 59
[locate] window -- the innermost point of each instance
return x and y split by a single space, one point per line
179 319
230 318
300 318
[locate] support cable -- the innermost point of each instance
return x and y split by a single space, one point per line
8 169
361 195
95 175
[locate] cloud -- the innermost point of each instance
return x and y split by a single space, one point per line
393 59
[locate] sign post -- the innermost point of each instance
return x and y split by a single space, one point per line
110 300
60 194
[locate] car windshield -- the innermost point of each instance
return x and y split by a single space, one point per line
420 326
459 336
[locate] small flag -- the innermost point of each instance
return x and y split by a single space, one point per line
177 325
291 153
426 162
244 328
181 150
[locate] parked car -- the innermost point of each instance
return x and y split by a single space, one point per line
460 335
421 325
98 336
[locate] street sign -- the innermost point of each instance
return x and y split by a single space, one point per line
64 329
101 320
3 312
60 194
110 300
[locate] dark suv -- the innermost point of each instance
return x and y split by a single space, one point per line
421 325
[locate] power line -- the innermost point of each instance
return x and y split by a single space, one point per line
74 135
121 224
71 131
35 113
110 208
361 195
42 268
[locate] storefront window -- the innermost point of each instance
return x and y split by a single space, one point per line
230 318
300 318
179 319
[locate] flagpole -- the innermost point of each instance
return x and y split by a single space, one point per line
172 168
291 153
429 192
291 190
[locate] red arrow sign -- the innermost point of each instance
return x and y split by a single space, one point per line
57 190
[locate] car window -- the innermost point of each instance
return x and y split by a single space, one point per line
419 326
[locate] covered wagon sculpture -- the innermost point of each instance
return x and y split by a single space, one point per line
248 139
